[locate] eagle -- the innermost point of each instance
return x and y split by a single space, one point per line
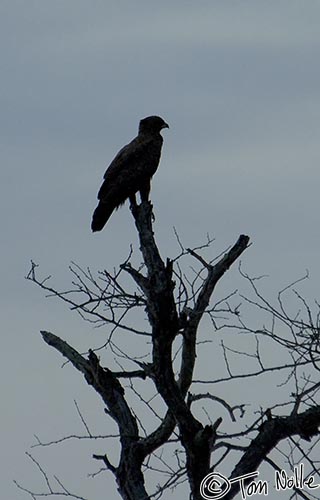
130 171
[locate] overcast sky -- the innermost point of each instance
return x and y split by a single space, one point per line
239 84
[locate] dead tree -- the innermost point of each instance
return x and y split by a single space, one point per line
175 305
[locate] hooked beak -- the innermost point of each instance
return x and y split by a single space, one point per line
165 125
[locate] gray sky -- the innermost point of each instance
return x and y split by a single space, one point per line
238 82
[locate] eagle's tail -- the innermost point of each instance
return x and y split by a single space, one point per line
100 216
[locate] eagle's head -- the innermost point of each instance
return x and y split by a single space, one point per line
152 125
